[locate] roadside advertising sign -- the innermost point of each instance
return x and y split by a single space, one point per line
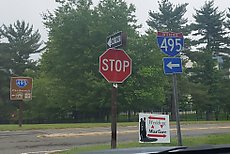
154 128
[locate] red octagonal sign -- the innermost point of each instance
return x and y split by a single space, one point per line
115 65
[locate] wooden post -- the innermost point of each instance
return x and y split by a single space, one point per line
20 114
114 117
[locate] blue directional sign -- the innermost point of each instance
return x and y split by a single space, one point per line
172 65
170 43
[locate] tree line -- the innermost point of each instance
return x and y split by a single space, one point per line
67 86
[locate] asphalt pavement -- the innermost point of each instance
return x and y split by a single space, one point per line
45 141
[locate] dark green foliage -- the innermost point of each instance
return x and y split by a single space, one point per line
77 34
68 86
208 71
169 18
209 25
20 41
206 77
227 42
144 90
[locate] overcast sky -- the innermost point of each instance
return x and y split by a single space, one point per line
31 10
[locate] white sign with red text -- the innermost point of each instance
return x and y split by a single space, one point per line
154 128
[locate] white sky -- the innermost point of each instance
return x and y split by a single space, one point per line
31 10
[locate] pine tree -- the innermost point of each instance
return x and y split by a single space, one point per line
22 41
18 41
227 41
169 18
209 26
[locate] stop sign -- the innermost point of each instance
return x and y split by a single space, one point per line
115 65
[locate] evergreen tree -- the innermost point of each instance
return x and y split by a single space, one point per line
22 41
19 42
226 63
209 26
169 18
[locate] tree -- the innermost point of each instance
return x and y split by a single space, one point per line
144 90
69 50
223 96
206 77
206 71
209 26
22 42
77 33
226 63
169 18
112 20
5 107
19 42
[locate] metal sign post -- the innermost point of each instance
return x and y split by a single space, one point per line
175 98
171 44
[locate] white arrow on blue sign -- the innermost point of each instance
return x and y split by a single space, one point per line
172 65
170 43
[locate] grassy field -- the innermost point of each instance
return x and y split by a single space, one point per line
187 141
14 127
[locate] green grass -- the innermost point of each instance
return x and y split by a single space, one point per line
187 141
49 126
14 127
201 122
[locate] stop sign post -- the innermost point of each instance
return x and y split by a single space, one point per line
115 65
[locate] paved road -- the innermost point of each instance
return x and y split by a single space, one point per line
36 141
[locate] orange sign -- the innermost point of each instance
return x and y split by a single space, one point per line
21 88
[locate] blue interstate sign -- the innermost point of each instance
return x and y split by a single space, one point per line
21 83
172 65
170 43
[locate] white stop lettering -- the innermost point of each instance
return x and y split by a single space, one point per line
117 65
